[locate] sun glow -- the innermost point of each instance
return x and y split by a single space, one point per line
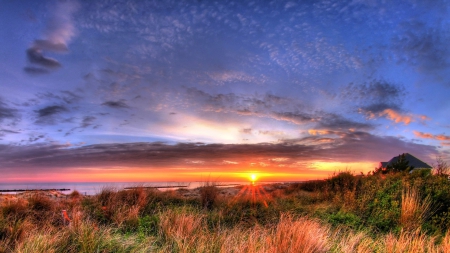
253 178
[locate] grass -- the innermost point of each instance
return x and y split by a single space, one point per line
414 209
345 213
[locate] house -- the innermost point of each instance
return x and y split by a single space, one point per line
413 162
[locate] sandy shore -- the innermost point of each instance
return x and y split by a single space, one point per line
6 198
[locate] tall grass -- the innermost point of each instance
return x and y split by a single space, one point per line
414 209
208 195
366 214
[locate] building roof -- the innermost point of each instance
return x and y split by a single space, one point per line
413 161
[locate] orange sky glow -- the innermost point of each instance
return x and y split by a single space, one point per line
316 170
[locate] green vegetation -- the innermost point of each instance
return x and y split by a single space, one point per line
392 212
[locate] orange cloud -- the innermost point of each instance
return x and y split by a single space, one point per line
443 137
440 137
423 117
396 116
318 132
401 118
423 135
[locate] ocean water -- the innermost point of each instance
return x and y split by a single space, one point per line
92 188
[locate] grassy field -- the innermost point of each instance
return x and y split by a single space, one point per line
398 212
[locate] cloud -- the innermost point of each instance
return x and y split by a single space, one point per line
349 147
68 97
224 77
422 46
272 132
396 116
4 132
377 98
298 118
9 131
271 106
51 110
87 121
319 132
49 45
246 131
48 115
35 56
439 137
116 104
335 121
7 112
58 32
34 137
392 113
375 91
35 70
374 109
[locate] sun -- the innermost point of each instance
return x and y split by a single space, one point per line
253 178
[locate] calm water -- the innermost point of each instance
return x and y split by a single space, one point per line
93 188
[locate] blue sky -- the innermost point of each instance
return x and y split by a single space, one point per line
313 86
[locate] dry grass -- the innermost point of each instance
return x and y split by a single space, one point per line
348 242
180 229
416 242
414 209
299 235
187 232
208 195
35 225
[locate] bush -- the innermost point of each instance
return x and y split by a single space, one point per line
148 225
75 195
16 209
40 203
208 195
346 219
383 211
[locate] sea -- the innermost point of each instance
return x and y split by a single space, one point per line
93 188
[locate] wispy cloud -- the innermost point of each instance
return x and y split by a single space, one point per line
116 104
59 30
273 107
49 114
6 112
398 117
374 91
439 137
422 46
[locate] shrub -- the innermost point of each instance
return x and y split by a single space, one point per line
383 211
346 219
75 195
441 167
16 209
208 195
342 182
40 203
148 225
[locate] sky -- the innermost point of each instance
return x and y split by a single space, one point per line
184 90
